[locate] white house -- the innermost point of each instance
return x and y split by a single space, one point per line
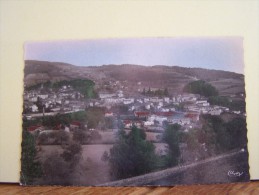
106 95
215 112
148 123
34 108
128 101
166 99
43 96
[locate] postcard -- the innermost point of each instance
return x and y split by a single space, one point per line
134 112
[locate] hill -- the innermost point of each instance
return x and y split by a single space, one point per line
133 78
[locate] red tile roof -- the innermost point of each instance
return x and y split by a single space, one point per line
142 114
33 128
164 113
76 123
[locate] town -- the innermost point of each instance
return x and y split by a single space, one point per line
149 113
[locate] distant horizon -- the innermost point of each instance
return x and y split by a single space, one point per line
214 53
137 65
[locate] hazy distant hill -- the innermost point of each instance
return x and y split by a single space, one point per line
133 77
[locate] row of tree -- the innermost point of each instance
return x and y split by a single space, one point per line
90 117
207 90
84 86
157 92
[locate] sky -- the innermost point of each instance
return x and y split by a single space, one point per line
220 53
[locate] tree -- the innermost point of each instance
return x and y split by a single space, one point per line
56 170
62 137
72 154
144 91
132 155
80 136
31 168
79 116
236 133
225 135
171 137
201 87
94 115
149 91
166 93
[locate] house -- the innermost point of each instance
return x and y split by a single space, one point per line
193 107
188 98
130 123
148 123
58 127
106 95
154 99
55 109
43 96
34 108
215 112
160 119
193 116
75 125
165 109
165 114
166 99
142 114
140 101
128 101
202 103
113 100
108 114
120 94
237 112
67 129
127 124
33 99
148 106
181 121
146 100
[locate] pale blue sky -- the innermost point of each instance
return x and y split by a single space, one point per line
220 53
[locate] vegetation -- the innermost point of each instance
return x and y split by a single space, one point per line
72 152
171 137
53 138
93 116
31 168
201 87
80 136
58 168
224 101
225 136
132 155
158 92
55 170
54 121
84 86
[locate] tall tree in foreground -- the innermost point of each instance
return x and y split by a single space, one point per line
132 155
171 137
31 169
